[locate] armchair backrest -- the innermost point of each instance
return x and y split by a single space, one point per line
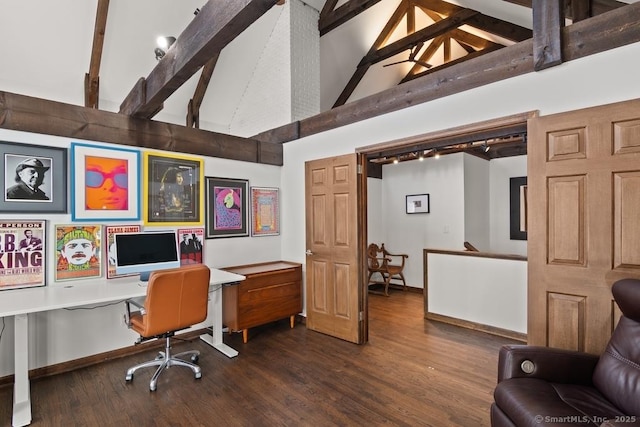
176 299
375 256
617 374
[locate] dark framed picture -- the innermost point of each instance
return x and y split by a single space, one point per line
265 211
173 190
105 183
34 178
417 203
227 207
518 208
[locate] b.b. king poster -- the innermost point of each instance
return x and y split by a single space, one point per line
22 255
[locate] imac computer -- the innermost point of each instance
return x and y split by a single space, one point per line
146 252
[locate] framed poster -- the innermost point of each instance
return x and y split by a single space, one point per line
173 190
105 183
191 245
22 254
265 211
77 254
34 178
417 203
227 209
109 232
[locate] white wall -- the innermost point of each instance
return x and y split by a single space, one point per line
476 202
63 335
442 227
475 289
550 91
501 171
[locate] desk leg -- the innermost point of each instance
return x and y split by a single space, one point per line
21 392
215 340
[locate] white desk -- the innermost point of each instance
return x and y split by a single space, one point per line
19 303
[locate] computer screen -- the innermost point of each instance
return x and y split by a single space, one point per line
146 252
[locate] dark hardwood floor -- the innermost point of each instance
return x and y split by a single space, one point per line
413 372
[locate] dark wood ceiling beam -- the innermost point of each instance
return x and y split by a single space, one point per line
382 38
548 21
476 42
92 78
339 16
427 33
457 61
214 27
482 22
27 114
193 114
328 7
598 34
598 7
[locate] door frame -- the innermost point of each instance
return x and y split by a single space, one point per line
465 133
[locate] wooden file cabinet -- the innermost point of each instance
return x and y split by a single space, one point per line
270 292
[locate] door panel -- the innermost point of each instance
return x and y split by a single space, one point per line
334 295
584 180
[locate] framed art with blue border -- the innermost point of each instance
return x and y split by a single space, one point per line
173 189
33 178
106 183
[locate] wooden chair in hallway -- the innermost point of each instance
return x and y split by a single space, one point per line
388 265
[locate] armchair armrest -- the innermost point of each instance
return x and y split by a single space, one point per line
138 303
550 364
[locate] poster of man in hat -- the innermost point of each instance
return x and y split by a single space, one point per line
27 174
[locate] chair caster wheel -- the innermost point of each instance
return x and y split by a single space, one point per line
128 378
152 388
199 375
194 358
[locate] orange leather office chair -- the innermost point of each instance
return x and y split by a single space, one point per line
176 299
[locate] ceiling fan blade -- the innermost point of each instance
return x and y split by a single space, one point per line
415 50
424 64
397 62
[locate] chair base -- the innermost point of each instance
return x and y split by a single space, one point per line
165 360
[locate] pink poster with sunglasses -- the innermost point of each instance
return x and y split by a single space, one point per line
105 183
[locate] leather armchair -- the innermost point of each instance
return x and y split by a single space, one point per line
543 386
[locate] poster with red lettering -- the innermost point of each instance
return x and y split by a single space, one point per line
110 232
22 260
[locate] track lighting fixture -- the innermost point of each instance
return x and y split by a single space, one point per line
485 147
164 43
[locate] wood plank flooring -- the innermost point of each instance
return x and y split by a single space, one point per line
413 372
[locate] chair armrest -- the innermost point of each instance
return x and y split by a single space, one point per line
138 303
550 364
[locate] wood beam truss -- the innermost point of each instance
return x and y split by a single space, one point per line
447 20
92 78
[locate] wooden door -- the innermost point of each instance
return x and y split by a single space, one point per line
334 297
584 232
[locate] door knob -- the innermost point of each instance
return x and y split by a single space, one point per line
308 252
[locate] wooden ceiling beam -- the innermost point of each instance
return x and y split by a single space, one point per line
382 38
614 29
331 19
213 28
92 78
28 114
437 29
193 114
598 7
548 21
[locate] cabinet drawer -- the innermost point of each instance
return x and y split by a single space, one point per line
270 278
